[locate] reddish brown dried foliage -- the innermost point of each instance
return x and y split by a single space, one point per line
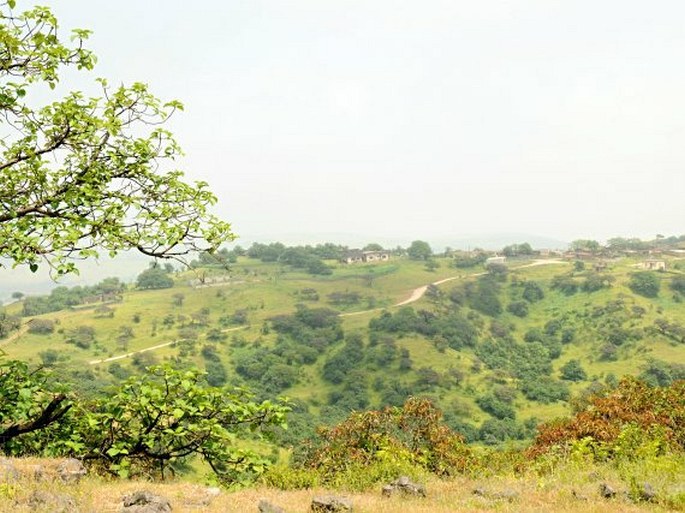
632 402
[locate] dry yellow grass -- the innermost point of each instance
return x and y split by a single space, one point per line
533 494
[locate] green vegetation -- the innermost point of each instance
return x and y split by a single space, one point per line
145 381
645 283
83 172
278 330
150 425
156 278
419 250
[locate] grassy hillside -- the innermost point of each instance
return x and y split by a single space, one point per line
487 347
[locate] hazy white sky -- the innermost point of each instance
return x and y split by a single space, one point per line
415 119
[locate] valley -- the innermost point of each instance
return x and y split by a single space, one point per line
498 350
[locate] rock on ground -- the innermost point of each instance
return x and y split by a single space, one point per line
647 493
330 504
145 502
57 503
404 486
71 470
607 491
267 507
504 495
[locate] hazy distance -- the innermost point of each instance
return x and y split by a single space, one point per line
397 120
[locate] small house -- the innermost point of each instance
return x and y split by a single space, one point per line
653 265
355 256
376 256
496 260
600 266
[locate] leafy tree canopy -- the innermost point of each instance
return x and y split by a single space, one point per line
518 249
586 245
154 278
419 250
82 172
373 246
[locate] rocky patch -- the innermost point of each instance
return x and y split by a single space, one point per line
145 502
330 504
404 486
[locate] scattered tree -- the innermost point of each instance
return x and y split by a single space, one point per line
419 250
154 278
573 371
518 308
41 326
8 323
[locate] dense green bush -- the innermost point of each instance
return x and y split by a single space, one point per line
496 407
529 360
678 284
532 292
660 373
30 402
518 308
8 323
498 430
573 371
81 336
544 389
565 284
41 326
485 298
645 284
341 363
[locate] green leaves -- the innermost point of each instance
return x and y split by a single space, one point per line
82 174
157 420
29 404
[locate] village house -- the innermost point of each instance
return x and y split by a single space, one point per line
355 256
653 265
496 260
600 266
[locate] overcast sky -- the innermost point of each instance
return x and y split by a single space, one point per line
415 119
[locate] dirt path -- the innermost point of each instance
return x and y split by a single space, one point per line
419 292
360 312
151 348
415 295
15 335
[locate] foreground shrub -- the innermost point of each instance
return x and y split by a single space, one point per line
285 477
29 403
150 426
372 446
607 421
162 418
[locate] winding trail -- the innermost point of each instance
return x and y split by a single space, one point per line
16 334
151 348
415 295
419 292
